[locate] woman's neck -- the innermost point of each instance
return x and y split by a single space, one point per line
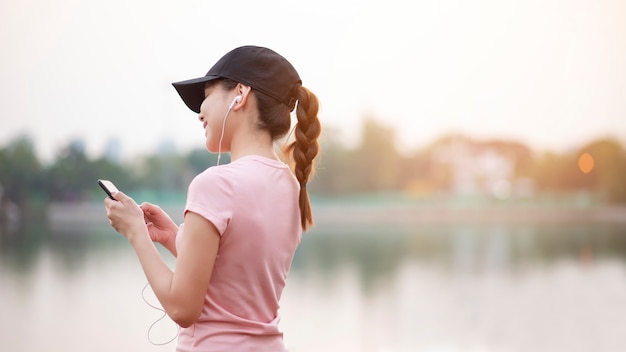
252 142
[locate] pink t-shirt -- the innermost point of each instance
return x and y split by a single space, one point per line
253 203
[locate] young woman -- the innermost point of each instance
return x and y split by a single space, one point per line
243 220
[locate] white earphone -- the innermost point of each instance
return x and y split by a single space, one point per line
235 101
230 107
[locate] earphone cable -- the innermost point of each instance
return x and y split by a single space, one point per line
219 147
156 321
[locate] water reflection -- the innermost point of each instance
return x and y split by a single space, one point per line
460 288
460 249
480 287
376 252
20 250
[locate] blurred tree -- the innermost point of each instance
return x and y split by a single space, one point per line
373 166
200 159
376 161
71 174
332 174
21 176
169 173
552 172
608 176
106 168
420 176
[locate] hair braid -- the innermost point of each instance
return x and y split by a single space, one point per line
274 117
305 148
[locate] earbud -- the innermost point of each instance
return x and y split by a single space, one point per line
235 101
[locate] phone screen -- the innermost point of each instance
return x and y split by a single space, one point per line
108 187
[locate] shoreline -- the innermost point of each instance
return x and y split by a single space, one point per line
65 216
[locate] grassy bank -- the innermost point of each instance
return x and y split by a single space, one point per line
381 211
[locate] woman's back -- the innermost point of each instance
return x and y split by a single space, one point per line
253 204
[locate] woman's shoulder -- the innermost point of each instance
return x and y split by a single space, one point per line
239 170
213 175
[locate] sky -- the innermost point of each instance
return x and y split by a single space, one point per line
548 73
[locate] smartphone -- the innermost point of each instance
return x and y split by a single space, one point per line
108 187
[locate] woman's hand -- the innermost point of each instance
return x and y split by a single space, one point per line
125 215
161 227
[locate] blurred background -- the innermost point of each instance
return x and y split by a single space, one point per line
470 194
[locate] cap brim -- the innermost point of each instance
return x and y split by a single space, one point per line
192 91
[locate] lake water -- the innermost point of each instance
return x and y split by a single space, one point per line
477 287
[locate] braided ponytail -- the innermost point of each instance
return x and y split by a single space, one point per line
274 118
305 148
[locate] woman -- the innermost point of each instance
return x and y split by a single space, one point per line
244 220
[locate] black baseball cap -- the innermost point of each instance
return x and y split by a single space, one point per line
260 68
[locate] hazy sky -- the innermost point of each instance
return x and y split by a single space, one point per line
549 73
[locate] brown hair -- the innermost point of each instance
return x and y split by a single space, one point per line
274 117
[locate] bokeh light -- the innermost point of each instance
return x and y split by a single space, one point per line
585 163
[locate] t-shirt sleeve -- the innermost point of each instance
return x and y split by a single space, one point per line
210 195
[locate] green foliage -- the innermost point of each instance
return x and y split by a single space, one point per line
373 166
552 170
333 156
20 171
376 160
70 175
607 179
608 176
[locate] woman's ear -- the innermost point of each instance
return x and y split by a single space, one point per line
243 91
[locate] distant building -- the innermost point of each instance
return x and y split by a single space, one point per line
480 170
113 150
166 147
78 145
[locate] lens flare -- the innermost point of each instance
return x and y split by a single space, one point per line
585 163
